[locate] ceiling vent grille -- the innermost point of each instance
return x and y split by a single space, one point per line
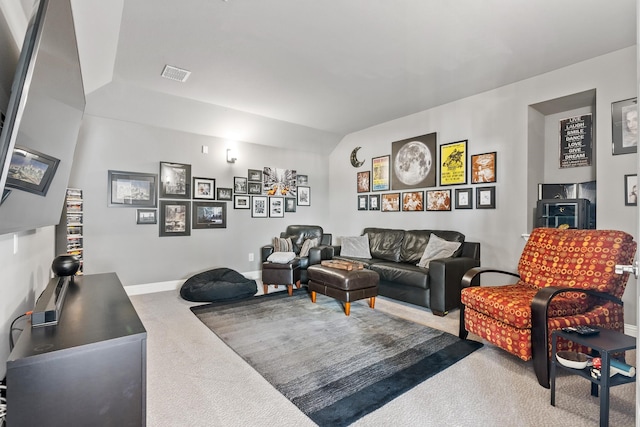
174 73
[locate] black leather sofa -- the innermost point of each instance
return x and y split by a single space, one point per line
395 254
298 234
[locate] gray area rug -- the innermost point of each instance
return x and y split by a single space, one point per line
334 368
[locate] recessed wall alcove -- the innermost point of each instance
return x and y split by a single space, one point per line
543 145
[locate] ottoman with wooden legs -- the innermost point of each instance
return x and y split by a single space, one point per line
343 285
275 274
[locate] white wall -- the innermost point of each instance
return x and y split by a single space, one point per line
114 242
498 120
23 276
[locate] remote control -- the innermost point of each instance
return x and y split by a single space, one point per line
582 330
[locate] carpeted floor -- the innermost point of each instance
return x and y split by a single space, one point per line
334 368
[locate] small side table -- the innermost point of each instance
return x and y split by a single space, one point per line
606 343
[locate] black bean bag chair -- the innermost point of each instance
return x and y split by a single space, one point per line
220 284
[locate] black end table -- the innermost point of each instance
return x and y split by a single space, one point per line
606 343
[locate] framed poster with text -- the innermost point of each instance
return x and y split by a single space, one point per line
380 167
453 166
575 141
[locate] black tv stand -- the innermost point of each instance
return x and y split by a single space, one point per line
89 369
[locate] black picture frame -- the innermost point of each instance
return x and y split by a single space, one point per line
276 207
363 181
259 207
175 180
302 180
624 126
132 189
241 201
254 187
485 197
224 194
175 218
240 185
304 196
438 200
381 169
484 168
146 216
453 163
254 175
415 162
413 201
208 215
390 202
464 198
363 202
631 190
31 170
374 202
289 204
204 188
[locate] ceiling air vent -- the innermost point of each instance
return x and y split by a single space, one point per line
174 73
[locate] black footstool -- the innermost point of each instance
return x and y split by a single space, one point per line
274 273
343 285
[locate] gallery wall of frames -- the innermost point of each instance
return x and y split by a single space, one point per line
178 202
420 176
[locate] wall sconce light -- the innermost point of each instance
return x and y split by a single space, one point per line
231 156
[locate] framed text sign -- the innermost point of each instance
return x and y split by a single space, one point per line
576 141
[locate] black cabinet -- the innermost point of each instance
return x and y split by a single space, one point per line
89 369
555 212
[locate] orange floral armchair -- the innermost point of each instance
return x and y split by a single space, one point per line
565 278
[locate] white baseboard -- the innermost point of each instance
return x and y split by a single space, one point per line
173 285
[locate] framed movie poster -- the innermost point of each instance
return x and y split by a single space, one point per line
631 190
439 200
175 218
414 162
175 180
31 171
209 215
380 168
363 182
576 141
453 163
624 126
483 168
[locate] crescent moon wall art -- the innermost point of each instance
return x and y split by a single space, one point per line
354 158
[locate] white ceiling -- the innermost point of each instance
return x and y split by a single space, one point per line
312 70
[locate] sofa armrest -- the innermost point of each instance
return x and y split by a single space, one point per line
470 250
265 251
445 277
320 253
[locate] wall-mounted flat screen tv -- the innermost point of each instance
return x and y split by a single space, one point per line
42 121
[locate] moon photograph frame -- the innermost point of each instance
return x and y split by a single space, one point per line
415 162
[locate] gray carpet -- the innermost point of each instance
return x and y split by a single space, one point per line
334 368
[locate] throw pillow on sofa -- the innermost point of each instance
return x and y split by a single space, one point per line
356 247
437 248
307 245
282 244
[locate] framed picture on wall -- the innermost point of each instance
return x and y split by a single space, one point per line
391 202
175 180
483 168
289 204
146 216
304 196
259 207
453 163
631 190
374 202
276 207
31 171
209 215
175 218
363 182
363 202
412 201
486 198
132 189
254 175
380 167
240 185
439 200
204 188
624 126
254 187
464 197
415 162
224 194
241 201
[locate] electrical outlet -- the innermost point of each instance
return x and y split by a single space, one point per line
251 257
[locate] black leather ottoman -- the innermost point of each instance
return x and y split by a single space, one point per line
281 274
343 285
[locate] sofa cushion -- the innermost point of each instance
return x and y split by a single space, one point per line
355 246
281 257
437 248
281 244
385 243
405 274
307 245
